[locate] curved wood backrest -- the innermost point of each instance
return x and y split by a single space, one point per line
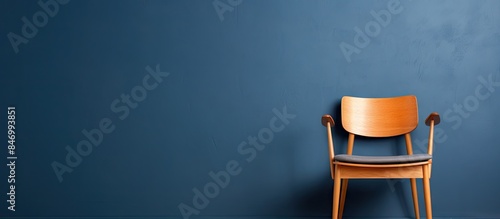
379 117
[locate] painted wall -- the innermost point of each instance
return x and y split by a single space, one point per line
143 108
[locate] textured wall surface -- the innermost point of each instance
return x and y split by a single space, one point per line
212 108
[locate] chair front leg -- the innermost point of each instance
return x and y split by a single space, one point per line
336 193
414 194
343 193
427 192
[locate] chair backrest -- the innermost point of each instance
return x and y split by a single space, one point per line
379 117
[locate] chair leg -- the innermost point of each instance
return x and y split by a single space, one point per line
415 197
342 197
427 192
336 194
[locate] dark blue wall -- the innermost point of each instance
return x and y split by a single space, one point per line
248 82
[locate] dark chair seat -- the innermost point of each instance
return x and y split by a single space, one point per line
400 159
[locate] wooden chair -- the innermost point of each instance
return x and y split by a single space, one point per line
380 117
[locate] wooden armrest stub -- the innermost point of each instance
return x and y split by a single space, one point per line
327 119
433 116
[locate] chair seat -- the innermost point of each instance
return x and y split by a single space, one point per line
399 159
